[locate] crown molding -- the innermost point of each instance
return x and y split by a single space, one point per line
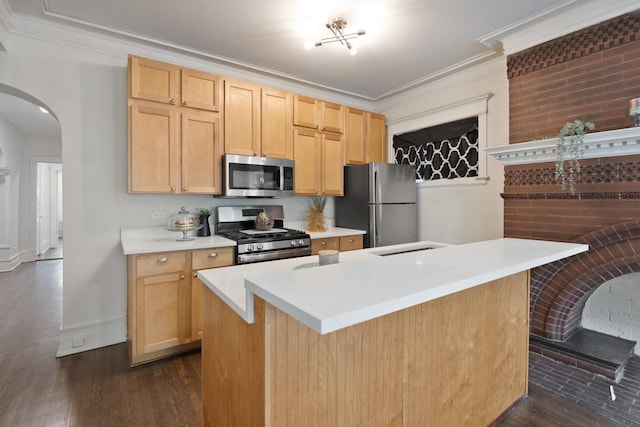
560 20
611 143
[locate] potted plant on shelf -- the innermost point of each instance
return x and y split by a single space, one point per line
570 151
315 217
204 214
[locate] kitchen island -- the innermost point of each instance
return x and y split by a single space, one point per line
429 337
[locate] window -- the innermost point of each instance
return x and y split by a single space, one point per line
454 162
446 151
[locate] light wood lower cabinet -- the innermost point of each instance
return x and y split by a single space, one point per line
164 301
342 244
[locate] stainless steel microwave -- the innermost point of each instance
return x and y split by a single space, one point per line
247 176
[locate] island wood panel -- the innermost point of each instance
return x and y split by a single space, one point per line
457 360
233 365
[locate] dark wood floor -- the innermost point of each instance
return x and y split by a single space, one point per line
97 388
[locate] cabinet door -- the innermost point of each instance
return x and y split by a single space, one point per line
332 165
354 136
317 245
201 153
153 80
241 118
277 135
332 117
306 153
201 90
376 138
153 148
350 243
161 308
196 307
305 112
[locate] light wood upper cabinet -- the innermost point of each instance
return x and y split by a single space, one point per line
332 180
319 161
241 118
153 80
354 136
376 146
201 90
201 153
315 114
277 129
307 154
305 112
154 148
331 117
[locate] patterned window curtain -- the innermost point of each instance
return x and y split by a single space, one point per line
445 151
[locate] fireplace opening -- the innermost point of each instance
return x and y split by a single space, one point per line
584 309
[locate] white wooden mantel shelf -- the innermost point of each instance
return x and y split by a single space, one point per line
611 143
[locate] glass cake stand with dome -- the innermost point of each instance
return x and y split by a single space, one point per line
184 221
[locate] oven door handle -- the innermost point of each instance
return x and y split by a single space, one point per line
271 255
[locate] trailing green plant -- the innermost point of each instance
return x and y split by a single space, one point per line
203 211
570 149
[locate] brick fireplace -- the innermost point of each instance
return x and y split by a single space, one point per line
589 75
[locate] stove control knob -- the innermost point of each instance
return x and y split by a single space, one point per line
249 248
294 243
300 242
259 246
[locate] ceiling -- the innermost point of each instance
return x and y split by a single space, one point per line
406 41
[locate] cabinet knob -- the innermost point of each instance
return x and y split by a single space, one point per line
184 103
173 188
181 276
195 275
255 153
213 255
172 101
324 243
264 154
351 240
185 188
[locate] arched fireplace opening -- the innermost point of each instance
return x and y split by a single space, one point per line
560 291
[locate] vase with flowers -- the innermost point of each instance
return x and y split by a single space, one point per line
315 216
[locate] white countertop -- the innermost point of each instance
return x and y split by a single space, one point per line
364 285
157 239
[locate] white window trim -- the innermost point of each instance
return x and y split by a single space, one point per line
478 106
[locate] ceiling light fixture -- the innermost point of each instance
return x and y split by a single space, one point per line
337 26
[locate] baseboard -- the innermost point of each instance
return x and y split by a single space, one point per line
13 262
79 338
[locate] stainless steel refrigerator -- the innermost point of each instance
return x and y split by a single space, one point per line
381 199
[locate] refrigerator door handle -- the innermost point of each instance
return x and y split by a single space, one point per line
377 220
373 184
373 226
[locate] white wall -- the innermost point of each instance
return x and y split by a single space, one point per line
461 214
11 145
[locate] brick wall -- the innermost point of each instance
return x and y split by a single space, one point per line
588 75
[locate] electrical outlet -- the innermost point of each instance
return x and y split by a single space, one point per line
157 215
77 342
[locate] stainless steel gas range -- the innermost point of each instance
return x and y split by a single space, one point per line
252 245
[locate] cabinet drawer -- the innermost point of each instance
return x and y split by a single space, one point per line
322 244
350 243
212 258
148 265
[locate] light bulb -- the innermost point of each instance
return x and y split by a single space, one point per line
308 44
353 50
